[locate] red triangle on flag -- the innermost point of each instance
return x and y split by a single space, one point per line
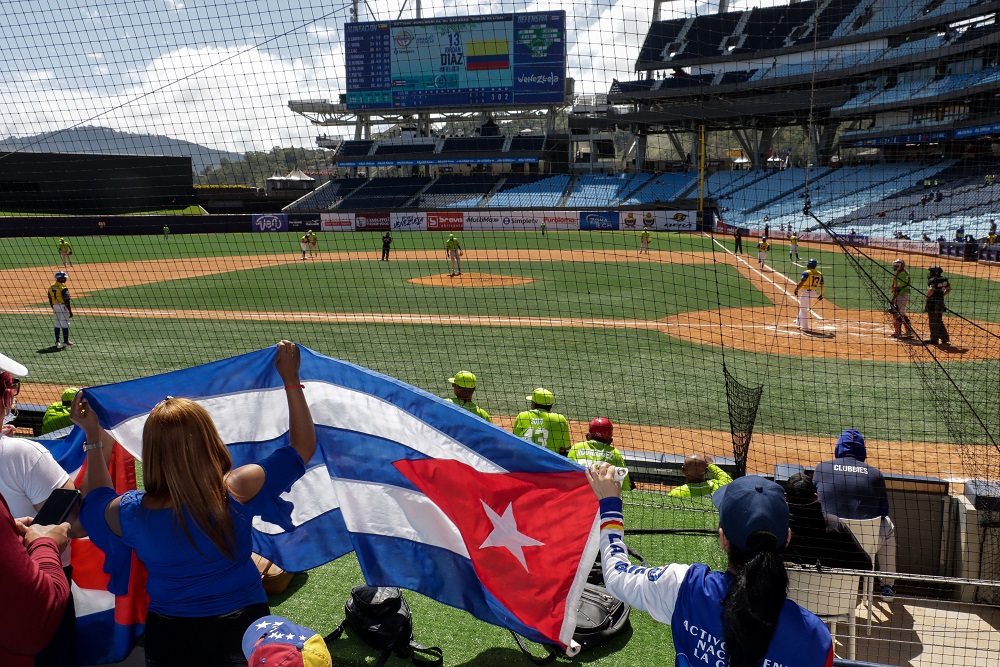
525 532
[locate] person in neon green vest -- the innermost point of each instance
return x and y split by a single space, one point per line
464 385
703 477
598 450
542 426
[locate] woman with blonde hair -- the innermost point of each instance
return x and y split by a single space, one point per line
191 527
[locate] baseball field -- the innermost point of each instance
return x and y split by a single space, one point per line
640 339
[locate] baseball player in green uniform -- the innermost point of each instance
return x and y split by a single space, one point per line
65 252
598 449
453 251
900 289
644 242
464 384
542 426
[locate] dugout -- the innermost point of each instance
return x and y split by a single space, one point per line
85 183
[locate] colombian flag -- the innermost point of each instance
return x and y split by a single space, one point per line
487 54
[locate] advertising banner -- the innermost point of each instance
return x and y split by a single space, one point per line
485 219
302 221
269 222
337 222
599 220
445 221
371 221
675 221
408 222
561 219
638 219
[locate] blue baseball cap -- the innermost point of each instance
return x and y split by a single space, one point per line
752 504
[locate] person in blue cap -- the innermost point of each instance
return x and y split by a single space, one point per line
850 488
741 617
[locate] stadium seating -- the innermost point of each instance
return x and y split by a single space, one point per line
596 190
520 192
526 142
452 189
355 148
473 144
384 193
326 196
661 188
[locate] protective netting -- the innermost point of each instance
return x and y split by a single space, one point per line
640 194
743 402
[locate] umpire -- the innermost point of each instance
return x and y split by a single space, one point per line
938 288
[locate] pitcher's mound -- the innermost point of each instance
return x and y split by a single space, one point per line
471 280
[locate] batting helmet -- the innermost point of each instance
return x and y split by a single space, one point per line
934 270
61 274
812 264
898 263
601 429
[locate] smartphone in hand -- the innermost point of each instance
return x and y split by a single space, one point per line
57 507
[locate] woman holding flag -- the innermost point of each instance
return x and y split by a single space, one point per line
191 527
741 617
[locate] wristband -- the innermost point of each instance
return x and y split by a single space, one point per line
87 446
289 387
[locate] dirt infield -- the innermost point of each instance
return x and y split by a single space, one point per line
839 333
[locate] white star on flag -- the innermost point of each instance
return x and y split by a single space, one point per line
262 625
505 534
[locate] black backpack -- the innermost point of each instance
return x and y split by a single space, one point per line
600 617
381 618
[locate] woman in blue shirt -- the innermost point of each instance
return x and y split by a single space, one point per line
191 527
738 618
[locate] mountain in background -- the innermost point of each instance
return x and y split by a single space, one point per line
106 141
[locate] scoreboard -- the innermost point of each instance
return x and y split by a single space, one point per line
502 59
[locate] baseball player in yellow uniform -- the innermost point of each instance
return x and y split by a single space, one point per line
453 251
644 242
313 242
762 247
811 284
793 246
598 450
900 289
61 310
304 244
65 252
541 426
464 385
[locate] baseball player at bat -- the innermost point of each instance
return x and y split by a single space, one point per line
813 290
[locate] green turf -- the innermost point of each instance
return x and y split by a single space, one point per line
40 251
671 382
558 289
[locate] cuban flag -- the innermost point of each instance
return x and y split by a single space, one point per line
430 497
108 624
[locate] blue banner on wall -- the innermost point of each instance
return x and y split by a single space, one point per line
598 220
270 222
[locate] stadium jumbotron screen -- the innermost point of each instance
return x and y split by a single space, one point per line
504 59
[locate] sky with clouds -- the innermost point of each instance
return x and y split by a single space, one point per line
221 72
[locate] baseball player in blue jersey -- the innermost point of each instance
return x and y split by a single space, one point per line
811 284
740 617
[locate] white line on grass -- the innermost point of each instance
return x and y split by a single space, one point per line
761 274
